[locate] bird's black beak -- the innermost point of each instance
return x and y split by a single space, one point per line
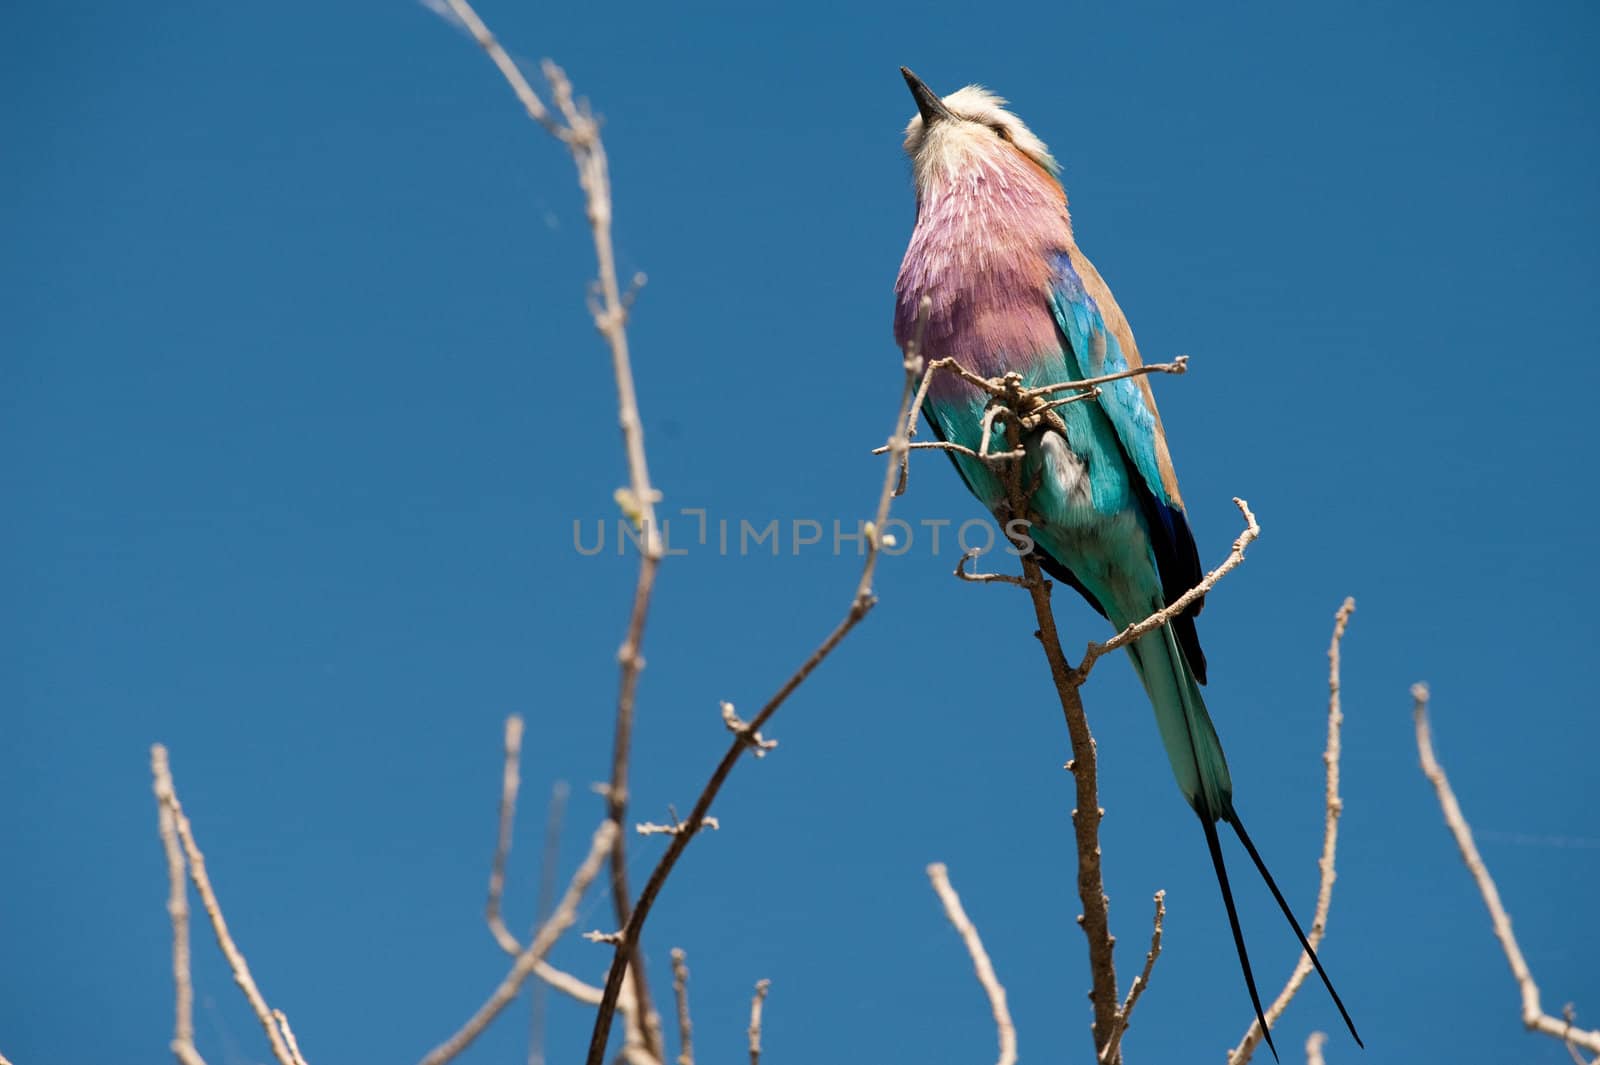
928 102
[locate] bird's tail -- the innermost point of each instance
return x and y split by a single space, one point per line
1202 774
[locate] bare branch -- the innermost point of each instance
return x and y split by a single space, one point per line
756 1003
1086 815
510 780
530 100
560 920
183 1047
1140 982
861 604
167 797
985 578
1179 365
1007 1032
1183 602
1314 1044
680 990
579 130
1533 1015
1333 807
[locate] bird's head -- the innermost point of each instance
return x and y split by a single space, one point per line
967 129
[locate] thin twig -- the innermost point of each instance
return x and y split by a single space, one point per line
1086 814
560 920
756 1003
1140 982
1333 806
1183 602
579 130
953 911
861 603
985 578
183 1047
510 780
1533 1015
680 990
167 797
548 975
1314 1044
1179 365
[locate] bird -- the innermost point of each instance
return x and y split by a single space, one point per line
993 278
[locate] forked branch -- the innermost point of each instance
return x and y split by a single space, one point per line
177 838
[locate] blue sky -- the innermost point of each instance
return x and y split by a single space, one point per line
300 404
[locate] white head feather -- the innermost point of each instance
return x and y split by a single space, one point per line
982 122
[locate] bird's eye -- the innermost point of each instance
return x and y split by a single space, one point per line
1001 131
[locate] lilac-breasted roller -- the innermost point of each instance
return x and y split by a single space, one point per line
1011 291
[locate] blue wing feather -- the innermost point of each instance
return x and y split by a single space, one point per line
1093 351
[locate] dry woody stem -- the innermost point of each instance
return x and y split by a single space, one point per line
1533 1015
680 991
1333 806
939 876
177 838
758 1002
528 960
747 736
1140 982
572 123
1022 410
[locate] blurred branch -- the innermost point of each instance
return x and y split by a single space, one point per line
1007 1032
1533 1015
528 960
748 736
757 1001
183 1047
571 122
680 990
1333 806
177 837
549 975
510 780
1314 1044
